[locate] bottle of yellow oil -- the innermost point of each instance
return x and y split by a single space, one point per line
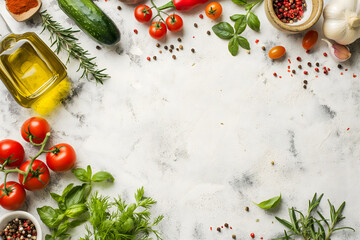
31 71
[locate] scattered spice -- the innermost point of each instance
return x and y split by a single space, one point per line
193 50
264 49
317 64
174 57
272 163
170 50
195 25
98 47
179 39
177 49
306 72
226 225
309 64
172 46
293 71
155 58
148 58
233 236
208 33
299 59
119 8
325 54
275 74
252 235
135 31
181 47
339 66
300 67
158 45
166 47
201 16
304 87
307 51
316 69
19 229
218 229
305 81
257 41
160 51
247 209
248 51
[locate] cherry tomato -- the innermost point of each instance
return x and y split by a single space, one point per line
174 23
213 10
63 159
310 39
277 52
157 30
32 183
143 13
37 127
13 150
15 199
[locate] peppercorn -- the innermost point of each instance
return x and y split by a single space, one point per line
195 25
318 64
226 225
193 50
309 64
218 229
166 47
272 163
179 39
263 48
174 57
177 49
208 33
300 67
181 47
293 71
247 209
119 8
299 59
98 47
172 46
170 50
339 66
233 236
305 81
154 57
158 45
304 87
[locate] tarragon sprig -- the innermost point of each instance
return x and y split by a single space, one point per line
64 39
312 226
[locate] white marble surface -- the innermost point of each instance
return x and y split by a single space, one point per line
199 132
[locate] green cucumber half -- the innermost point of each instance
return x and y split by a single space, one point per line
91 20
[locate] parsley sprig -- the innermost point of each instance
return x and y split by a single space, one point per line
224 30
312 226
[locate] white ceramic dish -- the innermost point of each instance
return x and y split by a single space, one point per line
5 219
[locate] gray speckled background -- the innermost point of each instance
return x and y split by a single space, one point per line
199 132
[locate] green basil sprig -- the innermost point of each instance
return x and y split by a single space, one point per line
225 31
270 203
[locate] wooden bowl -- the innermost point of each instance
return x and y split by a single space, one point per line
311 16
26 15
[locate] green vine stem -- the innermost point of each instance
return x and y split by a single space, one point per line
26 173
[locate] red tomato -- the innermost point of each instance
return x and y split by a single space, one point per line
143 13
213 10
174 23
32 183
277 52
13 150
15 199
310 39
37 127
157 30
63 159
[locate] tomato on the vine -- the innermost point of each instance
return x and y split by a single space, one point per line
36 127
15 198
213 10
62 158
12 151
32 182
157 30
143 13
310 39
174 23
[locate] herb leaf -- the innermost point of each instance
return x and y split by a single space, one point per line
253 22
239 2
244 43
236 17
51 217
233 46
81 174
223 30
240 25
270 203
102 177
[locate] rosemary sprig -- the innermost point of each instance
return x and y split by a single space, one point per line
310 227
64 39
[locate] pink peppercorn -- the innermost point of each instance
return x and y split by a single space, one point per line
135 31
299 59
306 72
201 16
148 58
257 41
275 74
325 54
252 235
316 69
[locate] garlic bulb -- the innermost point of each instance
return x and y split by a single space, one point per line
339 52
342 21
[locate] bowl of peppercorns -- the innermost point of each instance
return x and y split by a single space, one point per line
293 16
19 225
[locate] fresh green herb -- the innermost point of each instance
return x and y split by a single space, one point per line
270 204
312 226
225 31
72 209
64 39
118 220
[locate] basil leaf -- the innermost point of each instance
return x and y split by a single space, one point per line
76 195
102 177
233 46
236 17
50 216
240 24
89 171
62 228
56 197
67 189
249 6
244 43
239 2
81 174
77 222
75 210
253 22
223 30
49 237
270 204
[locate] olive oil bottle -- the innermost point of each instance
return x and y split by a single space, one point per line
28 67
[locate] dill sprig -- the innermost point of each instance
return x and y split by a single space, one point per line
64 39
311 227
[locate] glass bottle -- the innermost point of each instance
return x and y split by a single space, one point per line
29 68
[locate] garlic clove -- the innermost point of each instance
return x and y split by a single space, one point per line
340 53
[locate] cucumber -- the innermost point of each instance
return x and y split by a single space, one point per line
91 20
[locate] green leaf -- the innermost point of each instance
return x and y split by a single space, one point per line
269 204
236 17
233 46
89 171
49 237
81 174
76 210
56 197
77 222
285 223
223 30
244 43
239 2
67 189
50 216
102 177
76 195
62 228
253 22
240 25
139 194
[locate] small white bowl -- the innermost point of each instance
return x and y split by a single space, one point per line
5 219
